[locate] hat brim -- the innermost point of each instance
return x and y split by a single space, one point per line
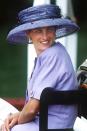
64 28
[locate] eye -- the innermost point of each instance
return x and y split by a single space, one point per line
51 29
37 31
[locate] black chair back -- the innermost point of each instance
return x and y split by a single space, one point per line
50 96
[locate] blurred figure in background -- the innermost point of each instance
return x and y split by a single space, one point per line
82 74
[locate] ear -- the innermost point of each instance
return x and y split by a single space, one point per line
30 41
28 36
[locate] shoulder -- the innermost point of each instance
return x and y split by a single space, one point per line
55 54
50 53
55 49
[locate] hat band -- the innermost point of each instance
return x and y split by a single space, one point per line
26 20
34 15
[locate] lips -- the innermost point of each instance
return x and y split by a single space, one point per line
44 42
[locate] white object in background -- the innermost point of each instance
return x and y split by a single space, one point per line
84 119
30 50
80 124
5 110
31 58
40 2
70 42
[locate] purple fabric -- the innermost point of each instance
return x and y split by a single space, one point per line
32 126
53 68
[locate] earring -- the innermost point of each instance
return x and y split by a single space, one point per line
29 41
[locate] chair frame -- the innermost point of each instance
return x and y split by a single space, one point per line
50 96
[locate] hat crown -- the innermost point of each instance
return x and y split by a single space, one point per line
38 13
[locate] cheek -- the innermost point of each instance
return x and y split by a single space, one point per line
34 39
52 36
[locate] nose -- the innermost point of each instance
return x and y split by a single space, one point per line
45 35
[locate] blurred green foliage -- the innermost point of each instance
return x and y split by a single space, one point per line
13 67
13 58
82 43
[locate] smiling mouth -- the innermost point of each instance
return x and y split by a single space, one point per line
45 42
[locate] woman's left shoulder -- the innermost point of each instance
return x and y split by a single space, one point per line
54 51
56 48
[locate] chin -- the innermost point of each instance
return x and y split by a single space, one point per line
44 49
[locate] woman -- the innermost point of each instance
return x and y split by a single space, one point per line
41 25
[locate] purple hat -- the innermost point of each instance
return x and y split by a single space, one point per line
37 17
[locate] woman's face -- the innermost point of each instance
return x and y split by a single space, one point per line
42 38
